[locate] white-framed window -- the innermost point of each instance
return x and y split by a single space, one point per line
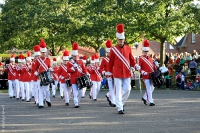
193 38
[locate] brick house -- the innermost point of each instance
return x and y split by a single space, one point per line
188 43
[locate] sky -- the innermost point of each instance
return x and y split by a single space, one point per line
1 1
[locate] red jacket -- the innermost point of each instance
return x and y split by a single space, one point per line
55 73
62 72
74 72
116 66
95 74
42 68
35 78
145 67
26 74
11 72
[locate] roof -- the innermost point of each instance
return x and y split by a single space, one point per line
181 43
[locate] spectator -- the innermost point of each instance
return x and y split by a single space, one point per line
170 70
198 80
193 69
182 61
189 85
178 80
166 59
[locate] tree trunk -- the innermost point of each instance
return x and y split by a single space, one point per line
162 51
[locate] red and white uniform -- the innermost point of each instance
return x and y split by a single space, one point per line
17 70
55 77
95 76
147 66
76 69
11 79
26 74
42 64
104 69
121 60
63 76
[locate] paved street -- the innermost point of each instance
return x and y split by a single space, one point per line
176 111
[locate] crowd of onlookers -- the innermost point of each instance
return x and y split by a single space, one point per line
183 68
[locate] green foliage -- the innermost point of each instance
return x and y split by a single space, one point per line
92 22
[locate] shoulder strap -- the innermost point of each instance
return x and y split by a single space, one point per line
148 63
121 57
42 63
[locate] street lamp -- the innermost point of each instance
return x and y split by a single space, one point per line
136 45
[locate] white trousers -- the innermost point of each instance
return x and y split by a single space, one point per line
32 91
95 88
61 91
21 84
44 91
149 90
54 87
111 90
123 88
11 88
83 91
67 91
36 87
27 90
77 94
17 88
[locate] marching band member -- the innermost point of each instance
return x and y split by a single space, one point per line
21 78
147 67
121 61
29 66
89 69
11 76
36 82
64 75
17 68
59 80
95 77
43 64
104 69
76 68
84 89
55 77
26 78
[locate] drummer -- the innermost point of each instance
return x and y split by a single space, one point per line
63 76
77 69
147 66
43 64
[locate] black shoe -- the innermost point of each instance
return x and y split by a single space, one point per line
120 112
151 104
67 104
41 107
90 97
13 96
83 97
17 98
54 96
33 97
107 98
28 101
76 106
35 102
62 97
123 109
22 99
48 103
10 97
112 105
94 99
144 101
44 102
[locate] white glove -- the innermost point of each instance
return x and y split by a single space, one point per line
61 77
108 73
50 69
72 68
88 74
103 72
156 63
196 80
75 65
36 73
144 73
137 67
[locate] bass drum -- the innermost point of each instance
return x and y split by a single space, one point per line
157 78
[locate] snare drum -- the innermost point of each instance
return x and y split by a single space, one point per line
84 81
68 82
46 78
157 78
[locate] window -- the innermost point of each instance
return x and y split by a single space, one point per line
193 37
